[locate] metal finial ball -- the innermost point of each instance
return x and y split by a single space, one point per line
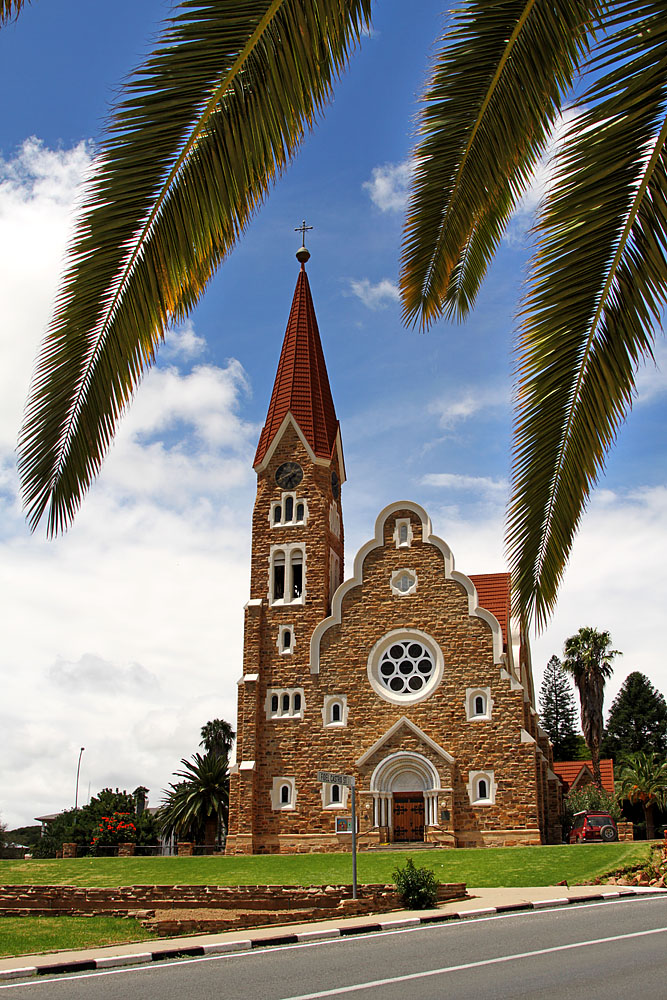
302 255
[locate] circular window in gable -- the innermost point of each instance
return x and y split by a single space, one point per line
405 666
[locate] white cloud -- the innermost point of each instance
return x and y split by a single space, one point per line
477 484
183 343
651 380
452 410
388 186
375 296
125 635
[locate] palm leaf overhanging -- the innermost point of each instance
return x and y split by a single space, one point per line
10 10
478 144
597 290
192 148
599 273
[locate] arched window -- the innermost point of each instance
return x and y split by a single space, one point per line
287 639
274 704
297 703
285 795
335 793
403 534
480 705
276 514
336 712
289 508
297 573
278 576
482 788
299 512
285 704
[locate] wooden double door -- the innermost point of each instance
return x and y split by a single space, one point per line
408 814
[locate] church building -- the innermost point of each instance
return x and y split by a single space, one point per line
409 675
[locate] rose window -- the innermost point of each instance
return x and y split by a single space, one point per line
406 667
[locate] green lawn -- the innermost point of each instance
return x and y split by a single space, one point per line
32 935
505 866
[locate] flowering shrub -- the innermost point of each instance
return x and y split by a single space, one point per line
115 829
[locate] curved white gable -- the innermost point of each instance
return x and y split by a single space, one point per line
450 574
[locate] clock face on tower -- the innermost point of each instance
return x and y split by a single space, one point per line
289 475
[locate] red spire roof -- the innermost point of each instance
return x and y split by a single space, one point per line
302 384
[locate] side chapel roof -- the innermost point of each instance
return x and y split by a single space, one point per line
570 770
493 591
302 386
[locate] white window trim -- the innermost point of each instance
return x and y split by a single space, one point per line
397 635
329 701
473 778
471 695
279 693
281 633
288 550
282 523
276 786
395 577
400 522
326 796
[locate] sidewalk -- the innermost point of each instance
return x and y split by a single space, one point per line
482 902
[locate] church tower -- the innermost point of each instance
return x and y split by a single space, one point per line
297 564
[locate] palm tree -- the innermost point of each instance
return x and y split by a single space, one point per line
217 112
198 805
217 737
643 778
588 656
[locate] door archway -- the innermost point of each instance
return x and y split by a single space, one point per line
405 789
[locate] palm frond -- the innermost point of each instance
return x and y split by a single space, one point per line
199 136
598 288
10 10
496 91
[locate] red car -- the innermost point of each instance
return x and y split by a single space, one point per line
593 825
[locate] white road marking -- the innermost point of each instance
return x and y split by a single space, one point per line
443 925
469 965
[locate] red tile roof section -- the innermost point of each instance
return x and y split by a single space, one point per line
568 770
302 384
493 591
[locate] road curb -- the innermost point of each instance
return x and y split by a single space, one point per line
297 937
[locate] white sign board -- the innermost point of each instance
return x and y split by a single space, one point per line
331 778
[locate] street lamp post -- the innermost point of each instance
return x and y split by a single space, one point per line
78 768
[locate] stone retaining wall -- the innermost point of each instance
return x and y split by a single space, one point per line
278 900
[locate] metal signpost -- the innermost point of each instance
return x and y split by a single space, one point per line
331 778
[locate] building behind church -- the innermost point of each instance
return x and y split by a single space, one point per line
410 675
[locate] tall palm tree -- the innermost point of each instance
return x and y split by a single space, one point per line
588 656
217 737
198 805
643 778
217 112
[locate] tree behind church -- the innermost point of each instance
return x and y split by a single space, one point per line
558 711
588 656
637 720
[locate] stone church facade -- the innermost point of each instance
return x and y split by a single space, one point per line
409 675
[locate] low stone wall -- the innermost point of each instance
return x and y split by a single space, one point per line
625 831
271 904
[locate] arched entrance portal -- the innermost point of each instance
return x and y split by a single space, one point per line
405 795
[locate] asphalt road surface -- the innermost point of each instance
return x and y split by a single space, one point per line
597 951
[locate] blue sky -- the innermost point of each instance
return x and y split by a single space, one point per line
125 635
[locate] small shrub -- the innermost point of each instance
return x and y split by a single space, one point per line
417 887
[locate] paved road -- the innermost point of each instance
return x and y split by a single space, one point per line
598 951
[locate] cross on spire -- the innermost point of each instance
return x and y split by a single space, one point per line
303 229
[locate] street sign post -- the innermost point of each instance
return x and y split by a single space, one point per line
347 780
